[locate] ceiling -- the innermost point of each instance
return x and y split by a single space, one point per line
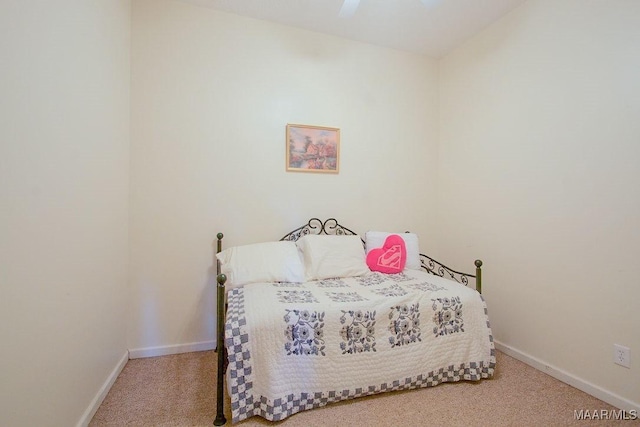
399 24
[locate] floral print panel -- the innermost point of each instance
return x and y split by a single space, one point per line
358 331
304 332
296 297
447 316
404 324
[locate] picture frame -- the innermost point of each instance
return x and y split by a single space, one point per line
312 149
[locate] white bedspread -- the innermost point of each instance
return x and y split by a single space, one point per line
297 346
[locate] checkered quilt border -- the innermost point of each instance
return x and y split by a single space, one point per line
244 404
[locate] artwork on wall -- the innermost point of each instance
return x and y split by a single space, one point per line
313 149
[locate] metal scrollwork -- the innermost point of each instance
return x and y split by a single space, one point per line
434 267
316 226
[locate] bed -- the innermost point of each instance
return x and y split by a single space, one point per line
328 330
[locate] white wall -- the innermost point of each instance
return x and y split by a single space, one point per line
540 138
64 170
211 95
538 154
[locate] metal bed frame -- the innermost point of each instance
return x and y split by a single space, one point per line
313 226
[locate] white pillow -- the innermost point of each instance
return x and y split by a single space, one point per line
375 239
261 262
332 256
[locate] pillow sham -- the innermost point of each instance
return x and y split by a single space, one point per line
261 262
390 258
332 256
375 239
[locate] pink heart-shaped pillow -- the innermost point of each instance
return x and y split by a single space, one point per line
390 258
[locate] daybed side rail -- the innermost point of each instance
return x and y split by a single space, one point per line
437 268
220 347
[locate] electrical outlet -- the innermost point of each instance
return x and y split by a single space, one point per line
622 355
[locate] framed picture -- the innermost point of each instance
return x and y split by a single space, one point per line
313 149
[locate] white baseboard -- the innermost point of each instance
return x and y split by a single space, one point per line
102 393
565 377
138 353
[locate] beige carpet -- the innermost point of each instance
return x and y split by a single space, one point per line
179 390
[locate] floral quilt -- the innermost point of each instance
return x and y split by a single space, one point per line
298 346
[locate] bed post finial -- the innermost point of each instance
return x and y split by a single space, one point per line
478 264
220 236
218 250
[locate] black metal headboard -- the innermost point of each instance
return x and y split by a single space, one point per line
316 226
332 227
